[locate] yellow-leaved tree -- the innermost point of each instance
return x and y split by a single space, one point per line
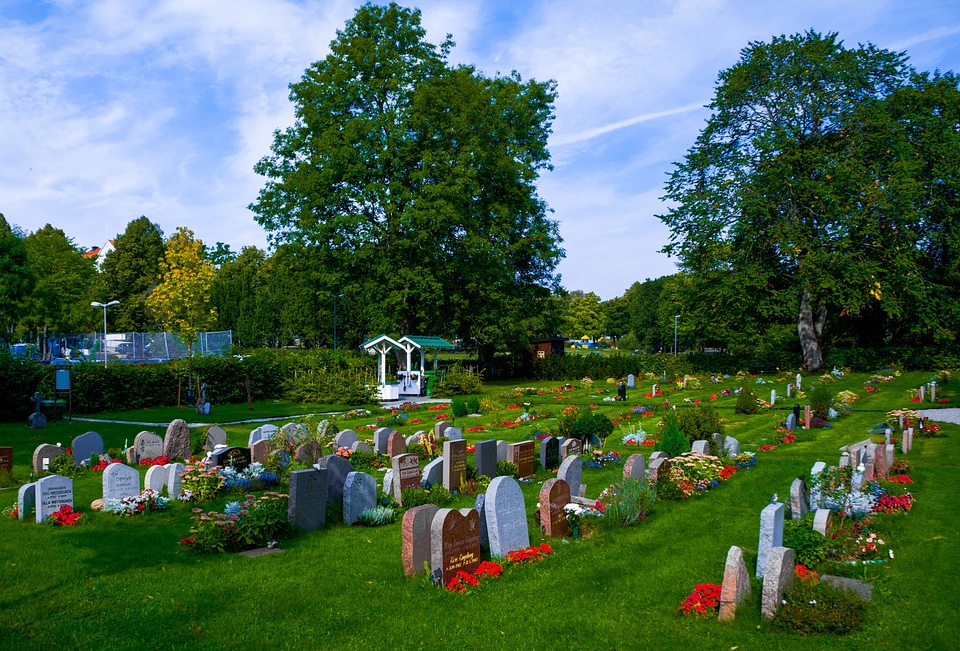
182 299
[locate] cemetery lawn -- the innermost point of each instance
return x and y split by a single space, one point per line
126 583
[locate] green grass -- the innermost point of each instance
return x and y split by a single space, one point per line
126 583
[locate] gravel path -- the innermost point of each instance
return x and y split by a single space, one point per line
948 415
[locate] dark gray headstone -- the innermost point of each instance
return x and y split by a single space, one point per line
361 446
345 439
432 473
503 451
234 457
307 507
380 438
337 470
799 499
359 494
53 492
120 481
478 504
485 457
440 428
176 443
506 517
455 464
550 453
85 445
454 433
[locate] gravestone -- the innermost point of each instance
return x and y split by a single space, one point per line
571 471
485 457
416 528
396 444
656 466
890 453
880 467
454 433
659 454
337 470
869 461
570 447
454 543
822 519
359 494
36 420
216 435
306 453
521 454
174 480
146 445
26 499
815 471
731 446
6 459
799 382
307 506
790 390
631 381
844 459
736 584
773 396
777 579
53 492
294 432
791 423
120 481
807 417
413 438
406 474
380 438
771 534
176 443
43 455
156 478
360 446
440 428
906 444
634 468
260 450
388 482
503 451
85 445
234 457
261 433
432 473
550 453
327 428
799 499
455 464
345 439
478 504
506 517
554 496
700 447
923 389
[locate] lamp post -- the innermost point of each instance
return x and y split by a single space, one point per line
335 297
675 334
104 306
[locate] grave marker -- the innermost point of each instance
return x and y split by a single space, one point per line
656 466
454 543
455 464
406 473
176 443
234 457
6 459
26 499
554 496
571 471
807 417
120 481
260 450
380 438
306 453
432 473
337 470
43 455
85 445
53 492
359 494
345 439
174 480
631 381
731 446
216 435
777 579
396 444
815 471
146 445
570 447
440 428
771 534
416 528
700 447
736 584
522 454
550 453
307 506
506 517
156 478
485 457
798 499
634 468
503 451
360 446
822 520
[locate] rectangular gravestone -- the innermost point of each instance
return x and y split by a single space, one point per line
631 381
478 504
522 454
440 429
807 417
416 528
570 447
485 457
6 459
454 543
799 499
26 499
359 494
503 451
260 450
550 453
454 433
120 481
337 468
406 474
771 534
454 464
85 445
234 457
554 497
506 517
53 493
307 507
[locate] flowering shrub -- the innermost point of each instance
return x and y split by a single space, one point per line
101 465
847 398
813 607
529 554
789 438
242 525
253 477
65 517
201 482
156 461
147 501
893 503
582 517
702 602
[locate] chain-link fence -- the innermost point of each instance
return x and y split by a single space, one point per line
144 346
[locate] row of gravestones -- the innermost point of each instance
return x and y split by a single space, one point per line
634 467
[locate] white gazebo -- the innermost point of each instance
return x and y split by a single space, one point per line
382 344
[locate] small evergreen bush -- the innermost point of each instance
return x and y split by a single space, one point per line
747 402
459 381
673 443
809 545
507 469
821 400
459 408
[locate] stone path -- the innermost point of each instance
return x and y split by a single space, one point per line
949 415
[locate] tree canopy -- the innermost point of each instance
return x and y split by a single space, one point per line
16 279
809 192
413 182
131 271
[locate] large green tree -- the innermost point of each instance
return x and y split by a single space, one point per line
415 182
16 279
782 204
131 271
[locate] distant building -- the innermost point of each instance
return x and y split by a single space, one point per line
544 347
100 252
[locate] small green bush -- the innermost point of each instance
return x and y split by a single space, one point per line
820 401
809 545
415 496
815 608
673 443
629 502
507 469
459 381
64 466
473 405
419 450
368 461
699 423
667 489
594 424
377 516
747 402
459 408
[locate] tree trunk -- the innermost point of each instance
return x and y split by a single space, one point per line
810 328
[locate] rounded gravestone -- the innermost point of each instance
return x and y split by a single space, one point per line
176 443
216 435
86 445
43 455
345 439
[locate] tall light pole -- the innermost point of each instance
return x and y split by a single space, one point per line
104 306
675 334
335 297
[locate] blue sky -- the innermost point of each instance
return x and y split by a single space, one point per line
112 109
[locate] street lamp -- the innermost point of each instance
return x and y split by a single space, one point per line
675 335
335 297
104 306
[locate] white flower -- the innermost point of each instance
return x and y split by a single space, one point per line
813 602
891 553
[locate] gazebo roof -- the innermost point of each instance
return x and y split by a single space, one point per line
370 343
423 341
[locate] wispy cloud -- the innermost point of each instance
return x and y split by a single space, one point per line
588 134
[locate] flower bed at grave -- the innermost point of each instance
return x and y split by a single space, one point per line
601 458
702 602
101 465
156 461
243 525
148 501
462 581
253 477
693 473
65 517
